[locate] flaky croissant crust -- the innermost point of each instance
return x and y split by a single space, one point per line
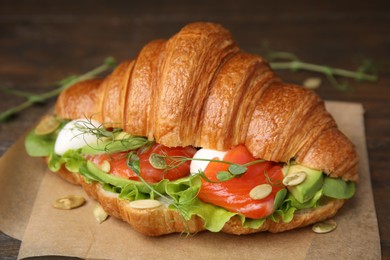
198 88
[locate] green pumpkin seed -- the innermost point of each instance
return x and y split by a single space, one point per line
100 214
294 178
69 202
312 83
105 166
47 125
324 227
260 191
145 204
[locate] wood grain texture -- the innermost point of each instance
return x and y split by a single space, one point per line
45 41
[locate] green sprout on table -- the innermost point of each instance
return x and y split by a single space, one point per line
32 98
285 60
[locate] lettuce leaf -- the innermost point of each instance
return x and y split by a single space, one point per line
184 193
285 214
214 217
39 145
338 188
42 145
184 190
72 160
290 205
313 203
252 223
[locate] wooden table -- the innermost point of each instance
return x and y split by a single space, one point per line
44 41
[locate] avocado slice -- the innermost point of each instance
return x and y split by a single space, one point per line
102 147
104 177
305 191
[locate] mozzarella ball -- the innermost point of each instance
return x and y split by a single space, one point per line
197 165
75 135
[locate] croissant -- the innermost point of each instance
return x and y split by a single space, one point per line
199 89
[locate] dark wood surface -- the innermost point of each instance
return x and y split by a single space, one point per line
44 41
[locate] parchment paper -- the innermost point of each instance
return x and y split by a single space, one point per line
27 191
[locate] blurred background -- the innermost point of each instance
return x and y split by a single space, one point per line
45 41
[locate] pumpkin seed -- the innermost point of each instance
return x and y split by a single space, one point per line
69 202
260 191
105 166
294 178
99 213
312 83
324 227
145 204
47 125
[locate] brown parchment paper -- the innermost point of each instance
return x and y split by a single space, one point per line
27 191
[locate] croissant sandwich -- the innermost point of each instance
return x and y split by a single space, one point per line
195 134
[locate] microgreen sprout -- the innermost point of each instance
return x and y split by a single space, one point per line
61 86
237 169
224 176
286 60
133 162
88 126
272 181
112 139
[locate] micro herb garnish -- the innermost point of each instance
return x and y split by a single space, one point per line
271 181
224 176
133 163
166 163
286 60
108 138
32 98
88 127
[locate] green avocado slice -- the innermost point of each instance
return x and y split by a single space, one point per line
306 190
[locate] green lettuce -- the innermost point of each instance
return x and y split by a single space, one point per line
290 205
338 188
184 193
72 160
42 145
312 203
39 145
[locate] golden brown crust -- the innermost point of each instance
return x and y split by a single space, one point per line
138 105
198 88
301 219
80 100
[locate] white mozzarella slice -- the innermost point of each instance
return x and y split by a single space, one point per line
75 135
197 165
